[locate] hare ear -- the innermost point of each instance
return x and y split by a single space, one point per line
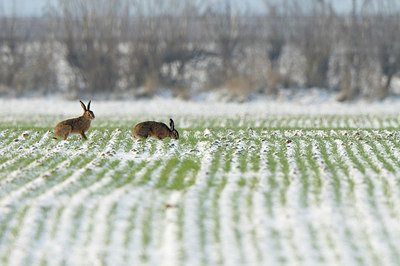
171 124
83 106
88 105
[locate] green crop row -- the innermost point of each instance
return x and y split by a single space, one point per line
297 191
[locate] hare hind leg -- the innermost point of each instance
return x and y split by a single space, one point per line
141 135
83 135
63 132
67 132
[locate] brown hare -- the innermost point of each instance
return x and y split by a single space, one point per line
155 129
77 125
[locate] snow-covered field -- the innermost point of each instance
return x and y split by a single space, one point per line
310 102
299 182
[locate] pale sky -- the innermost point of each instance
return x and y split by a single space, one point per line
35 7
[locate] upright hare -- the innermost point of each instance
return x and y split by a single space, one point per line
155 129
77 125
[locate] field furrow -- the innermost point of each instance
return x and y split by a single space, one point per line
281 190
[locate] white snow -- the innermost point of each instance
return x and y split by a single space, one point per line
139 224
311 102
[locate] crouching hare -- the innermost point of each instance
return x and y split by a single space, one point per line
155 129
77 125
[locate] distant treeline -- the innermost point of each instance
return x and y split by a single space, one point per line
136 47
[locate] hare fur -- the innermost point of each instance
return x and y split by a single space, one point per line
77 125
155 129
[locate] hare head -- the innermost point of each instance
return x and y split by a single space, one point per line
87 112
174 132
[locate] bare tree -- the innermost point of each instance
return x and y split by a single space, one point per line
314 35
121 45
385 38
12 50
25 54
356 54
229 40
277 25
223 29
161 43
92 32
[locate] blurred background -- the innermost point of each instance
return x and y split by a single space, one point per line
182 48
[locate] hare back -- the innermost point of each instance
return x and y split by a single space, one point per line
151 129
78 125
